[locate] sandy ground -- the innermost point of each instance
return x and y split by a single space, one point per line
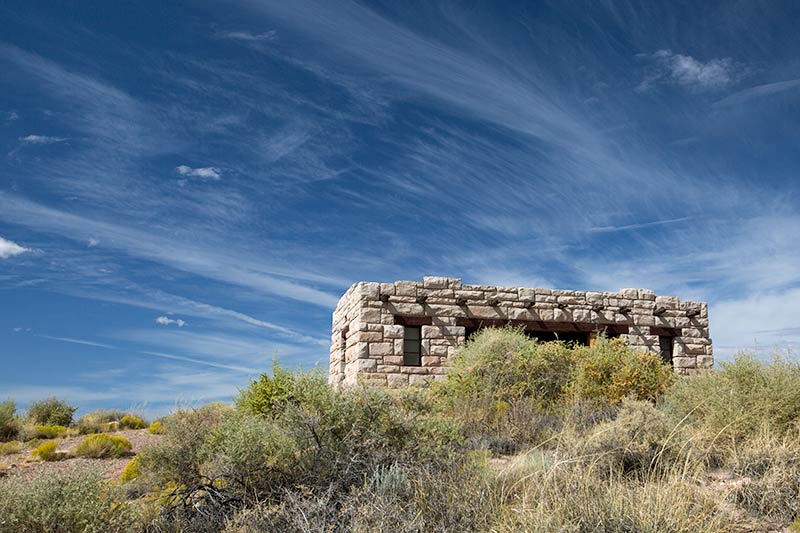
24 464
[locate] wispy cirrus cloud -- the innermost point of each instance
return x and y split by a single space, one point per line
41 139
10 249
244 35
212 173
166 321
759 91
685 71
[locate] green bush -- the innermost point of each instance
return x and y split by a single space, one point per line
62 501
742 399
9 425
51 412
102 446
156 428
99 421
609 371
48 452
48 432
131 471
7 448
271 395
132 422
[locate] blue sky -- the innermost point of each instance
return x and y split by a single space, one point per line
187 188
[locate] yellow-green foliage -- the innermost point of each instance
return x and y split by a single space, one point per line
131 422
64 500
132 470
7 448
741 399
48 432
157 428
609 371
47 451
102 445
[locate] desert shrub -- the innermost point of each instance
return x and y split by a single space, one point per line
68 500
101 445
7 448
132 422
610 370
179 456
503 386
156 428
640 440
315 440
99 421
131 471
51 412
740 400
9 425
46 432
564 495
770 467
47 451
271 395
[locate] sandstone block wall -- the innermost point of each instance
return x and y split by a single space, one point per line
370 319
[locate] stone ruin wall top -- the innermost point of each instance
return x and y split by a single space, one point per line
369 323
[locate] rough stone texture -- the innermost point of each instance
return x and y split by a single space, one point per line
367 332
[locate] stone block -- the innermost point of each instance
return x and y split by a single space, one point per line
483 311
435 282
417 379
392 359
630 294
431 360
526 295
647 294
405 288
364 365
392 332
371 315
387 288
368 290
396 381
684 362
408 309
381 348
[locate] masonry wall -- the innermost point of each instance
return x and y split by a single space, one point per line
369 322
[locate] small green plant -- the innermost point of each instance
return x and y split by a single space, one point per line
69 499
7 448
156 428
102 446
48 452
9 425
51 412
132 470
131 422
48 432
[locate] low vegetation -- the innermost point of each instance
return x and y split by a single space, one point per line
522 436
102 446
47 451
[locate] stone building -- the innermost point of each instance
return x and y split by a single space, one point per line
395 334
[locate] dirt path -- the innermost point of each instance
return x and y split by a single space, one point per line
24 464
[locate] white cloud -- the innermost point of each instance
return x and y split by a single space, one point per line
10 249
688 72
11 116
41 139
166 321
759 91
212 173
241 35
92 242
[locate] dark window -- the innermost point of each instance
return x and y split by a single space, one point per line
412 346
665 346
